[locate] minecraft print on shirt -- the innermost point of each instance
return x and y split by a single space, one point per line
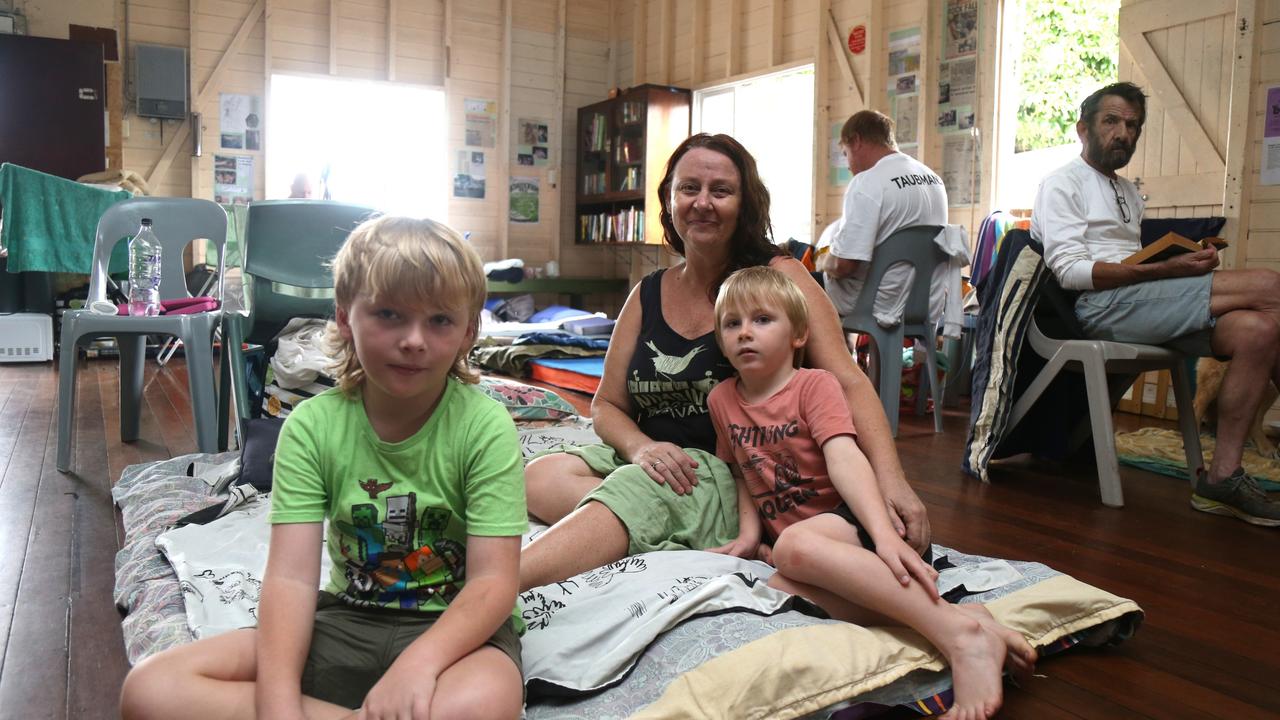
402 560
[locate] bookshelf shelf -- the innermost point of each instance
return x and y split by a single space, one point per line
623 144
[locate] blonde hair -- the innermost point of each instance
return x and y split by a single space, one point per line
762 285
410 260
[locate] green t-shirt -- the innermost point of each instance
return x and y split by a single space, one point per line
399 513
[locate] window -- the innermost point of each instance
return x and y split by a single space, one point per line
1056 52
772 116
370 143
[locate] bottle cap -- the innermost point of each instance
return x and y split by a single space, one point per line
146 221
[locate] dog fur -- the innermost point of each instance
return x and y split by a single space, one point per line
1209 374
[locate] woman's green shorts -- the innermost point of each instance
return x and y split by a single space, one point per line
655 517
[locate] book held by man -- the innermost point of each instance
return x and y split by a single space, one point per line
1171 245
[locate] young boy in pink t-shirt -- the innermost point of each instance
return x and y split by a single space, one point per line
804 486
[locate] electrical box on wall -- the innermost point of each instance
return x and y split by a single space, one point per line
161 83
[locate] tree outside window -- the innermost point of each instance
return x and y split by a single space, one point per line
1070 48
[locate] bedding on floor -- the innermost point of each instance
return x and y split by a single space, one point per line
581 374
661 635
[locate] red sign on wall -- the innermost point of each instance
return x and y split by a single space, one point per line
858 39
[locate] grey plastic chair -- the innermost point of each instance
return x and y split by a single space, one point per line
1108 369
916 247
177 221
288 247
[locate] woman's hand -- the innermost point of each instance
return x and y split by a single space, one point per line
764 553
667 464
907 513
741 546
905 564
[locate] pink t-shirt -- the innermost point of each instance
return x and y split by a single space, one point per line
778 444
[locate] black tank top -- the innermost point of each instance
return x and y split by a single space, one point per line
669 376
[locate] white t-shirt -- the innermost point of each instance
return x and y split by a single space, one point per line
1078 220
898 191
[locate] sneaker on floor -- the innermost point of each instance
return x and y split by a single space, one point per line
1238 496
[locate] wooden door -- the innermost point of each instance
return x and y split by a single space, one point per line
1180 53
51 105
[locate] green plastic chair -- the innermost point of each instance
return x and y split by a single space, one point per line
288 245
178 222
915 246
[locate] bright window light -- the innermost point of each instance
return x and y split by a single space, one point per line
772 116
369 143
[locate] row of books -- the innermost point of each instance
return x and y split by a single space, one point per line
627 152
631 179
596 134
632 112
594 184
621 227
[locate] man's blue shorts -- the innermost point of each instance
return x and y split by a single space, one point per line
1173 312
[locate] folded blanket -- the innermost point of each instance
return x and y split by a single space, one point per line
50 222
124 179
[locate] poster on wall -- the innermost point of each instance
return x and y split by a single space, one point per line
239 122
904 61
960 33
480 119
1271 138
524 200
232 179
957 94
839 174
961 174
906 111
531 142
468 177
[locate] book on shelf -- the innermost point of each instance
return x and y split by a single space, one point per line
1171 245
630 179
622 226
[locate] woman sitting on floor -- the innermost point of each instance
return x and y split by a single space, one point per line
655 483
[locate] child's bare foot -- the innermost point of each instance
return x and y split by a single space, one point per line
1020 659
976 656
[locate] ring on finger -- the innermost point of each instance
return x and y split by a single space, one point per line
656 463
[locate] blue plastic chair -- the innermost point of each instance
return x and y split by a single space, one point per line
288 247
177 222
914 246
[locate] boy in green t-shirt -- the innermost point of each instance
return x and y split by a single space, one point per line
421 481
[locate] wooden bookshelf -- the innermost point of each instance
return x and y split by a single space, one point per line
623 146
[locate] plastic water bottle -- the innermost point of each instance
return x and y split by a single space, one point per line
144 272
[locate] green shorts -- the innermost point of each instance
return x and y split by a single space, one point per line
655 517
351 648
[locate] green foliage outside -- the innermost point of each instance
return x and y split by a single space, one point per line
1069 49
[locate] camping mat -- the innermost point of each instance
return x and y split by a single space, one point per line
1159 450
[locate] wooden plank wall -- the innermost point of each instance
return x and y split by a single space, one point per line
361 39
690 43
1262 242
1263 246
1197 57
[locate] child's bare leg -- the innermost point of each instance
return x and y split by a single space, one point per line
1021 656
823 551
484 685
209 679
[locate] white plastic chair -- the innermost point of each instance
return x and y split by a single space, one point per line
178 221
1107 367
914 246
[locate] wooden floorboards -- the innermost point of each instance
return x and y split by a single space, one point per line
1210 586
